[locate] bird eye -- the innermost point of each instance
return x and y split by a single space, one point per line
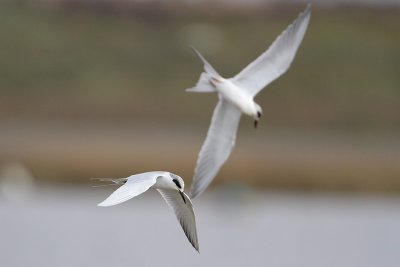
177 183
258 114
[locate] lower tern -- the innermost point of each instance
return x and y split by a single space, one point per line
169 185
236 96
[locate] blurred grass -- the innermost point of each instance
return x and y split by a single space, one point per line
102 66
86 94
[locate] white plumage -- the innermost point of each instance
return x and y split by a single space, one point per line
169 185
236 96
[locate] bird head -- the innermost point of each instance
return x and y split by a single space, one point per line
180 185
178 181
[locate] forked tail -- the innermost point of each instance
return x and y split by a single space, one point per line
114 181
204 84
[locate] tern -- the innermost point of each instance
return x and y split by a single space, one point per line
169 185
236 96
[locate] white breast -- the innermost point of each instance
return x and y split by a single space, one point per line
238 97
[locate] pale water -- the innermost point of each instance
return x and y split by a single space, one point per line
236 226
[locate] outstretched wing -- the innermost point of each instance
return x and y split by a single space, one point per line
216 149
183 209
135 185
276 60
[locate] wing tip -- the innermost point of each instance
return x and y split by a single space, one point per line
304 15
196 247
112 202
195 243
307 11
104 203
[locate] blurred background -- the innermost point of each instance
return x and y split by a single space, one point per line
96 89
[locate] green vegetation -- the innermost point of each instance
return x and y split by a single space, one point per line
102 66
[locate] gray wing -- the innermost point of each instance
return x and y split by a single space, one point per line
135 185
216 149
277 59
183 209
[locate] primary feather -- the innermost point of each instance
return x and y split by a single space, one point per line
276 59
219 143
184 212
135 185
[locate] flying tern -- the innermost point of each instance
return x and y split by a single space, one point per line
169 185
236 96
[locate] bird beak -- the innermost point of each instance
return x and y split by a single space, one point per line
255 124
183 197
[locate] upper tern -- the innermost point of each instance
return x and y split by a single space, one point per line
169 185
236 96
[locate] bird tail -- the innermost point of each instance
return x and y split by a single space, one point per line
114 181
204 84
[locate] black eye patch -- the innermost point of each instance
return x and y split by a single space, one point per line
177 183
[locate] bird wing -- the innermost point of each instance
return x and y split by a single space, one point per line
135 185
182 206
217 147
276 59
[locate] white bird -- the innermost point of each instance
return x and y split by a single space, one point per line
169 185
236 96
